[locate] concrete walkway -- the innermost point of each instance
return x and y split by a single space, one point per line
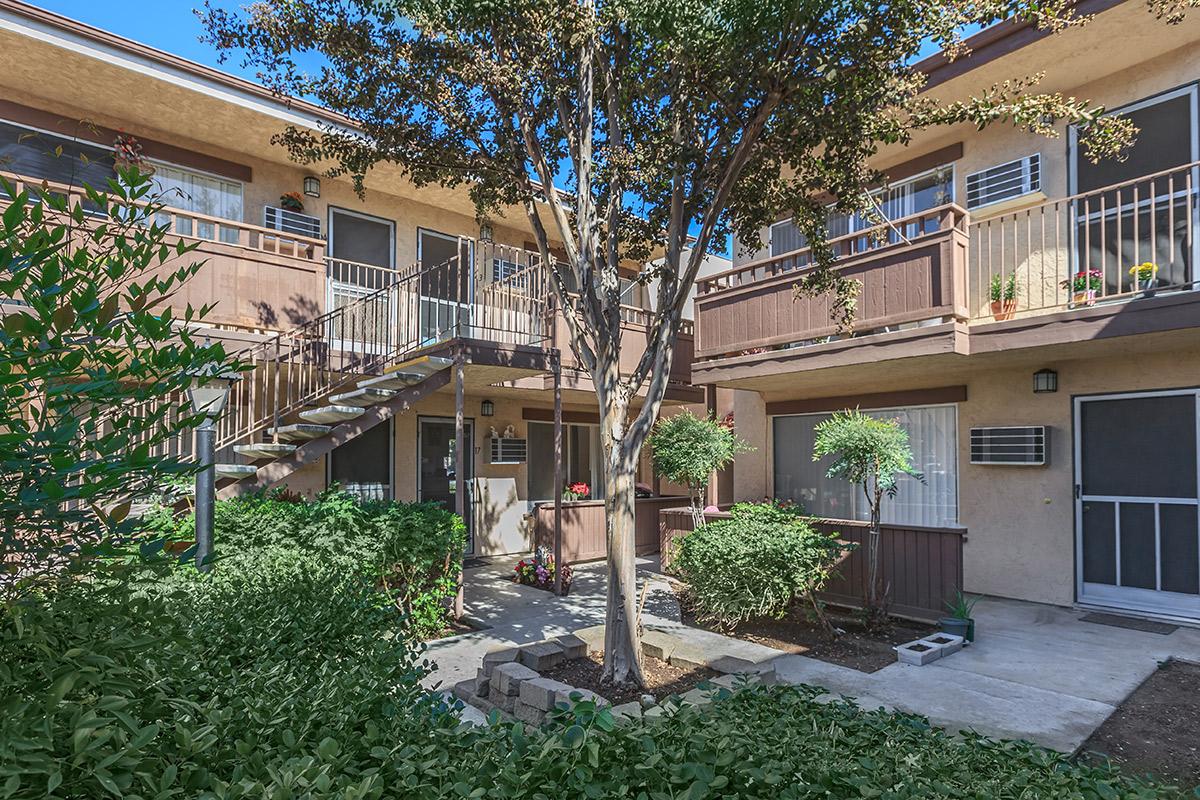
1036 672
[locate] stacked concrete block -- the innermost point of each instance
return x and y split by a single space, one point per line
497 657
573 647
541 656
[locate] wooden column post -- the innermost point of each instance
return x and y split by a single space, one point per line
460 453
556 364
710 402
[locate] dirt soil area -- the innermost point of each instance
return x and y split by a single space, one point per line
1157 729
662 679
857 648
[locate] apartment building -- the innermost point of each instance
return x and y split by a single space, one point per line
1050 393
353 311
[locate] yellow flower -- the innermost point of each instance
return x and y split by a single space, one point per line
1144 270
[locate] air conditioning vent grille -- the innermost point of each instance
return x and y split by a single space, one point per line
1010 446
281 219
508 451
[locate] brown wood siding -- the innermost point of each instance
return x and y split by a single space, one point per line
755 307
583 534
922 567
633 345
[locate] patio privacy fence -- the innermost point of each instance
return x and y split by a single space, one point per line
583 534
922 567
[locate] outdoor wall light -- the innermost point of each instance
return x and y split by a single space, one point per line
1045 380
485 232
312 186
487 408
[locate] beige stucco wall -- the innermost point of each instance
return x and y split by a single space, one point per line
1020 520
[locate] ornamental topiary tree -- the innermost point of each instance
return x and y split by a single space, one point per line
870 453
663 126
687 450
92 369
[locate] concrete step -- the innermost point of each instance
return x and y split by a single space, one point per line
326 415
236 471
362 397
421 365
392 381
299 432
259 450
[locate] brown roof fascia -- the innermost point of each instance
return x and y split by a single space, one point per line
996 42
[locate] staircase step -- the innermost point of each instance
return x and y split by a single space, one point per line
236 471
362 397
299 432
330 414
259 450
422 365
393 380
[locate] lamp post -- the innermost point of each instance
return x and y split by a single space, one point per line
208 395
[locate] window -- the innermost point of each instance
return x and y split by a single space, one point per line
582 459
504 270
32 154
1004 181
932 432
202 194
902 199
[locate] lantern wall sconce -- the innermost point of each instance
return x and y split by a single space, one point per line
487 408
485 231
312 186
1045 380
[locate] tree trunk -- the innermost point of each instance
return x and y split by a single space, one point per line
622 640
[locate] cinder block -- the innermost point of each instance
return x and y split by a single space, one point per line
529 714
688 657
657 644
504 702
483 683
465 690
918 653
507 677
593 637
497 657
541 692
570 696
732 664
573 646
627 711
541 656
949 642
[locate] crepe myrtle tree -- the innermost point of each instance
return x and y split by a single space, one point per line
870 453
687 450
655 121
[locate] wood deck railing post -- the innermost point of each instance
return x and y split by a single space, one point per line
556 365
460 481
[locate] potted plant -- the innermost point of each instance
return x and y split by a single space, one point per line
291 201
538 571
960 622
1144 275
1003 293
1083 286
577 491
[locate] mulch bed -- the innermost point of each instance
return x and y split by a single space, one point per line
857 648
1157 729
662 679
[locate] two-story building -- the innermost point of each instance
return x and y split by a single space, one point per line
1048 386
353 311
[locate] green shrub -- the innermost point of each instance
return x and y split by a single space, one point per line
411 549
753 564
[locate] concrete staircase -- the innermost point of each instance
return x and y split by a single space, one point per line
333 421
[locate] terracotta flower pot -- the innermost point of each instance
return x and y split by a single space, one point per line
1003 309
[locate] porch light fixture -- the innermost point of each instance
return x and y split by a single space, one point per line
312 186
485 232
487 408
1045 380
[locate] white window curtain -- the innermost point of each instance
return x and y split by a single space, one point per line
200 194
932 433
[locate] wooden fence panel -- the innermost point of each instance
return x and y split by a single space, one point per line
583 533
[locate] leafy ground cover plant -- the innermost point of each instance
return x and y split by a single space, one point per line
409 550
754 564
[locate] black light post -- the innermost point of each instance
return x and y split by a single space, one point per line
208 395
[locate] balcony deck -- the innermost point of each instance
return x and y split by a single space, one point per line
938 282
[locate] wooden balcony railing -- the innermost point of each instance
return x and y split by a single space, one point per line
1078 251
911 270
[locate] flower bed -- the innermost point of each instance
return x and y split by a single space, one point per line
538 571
